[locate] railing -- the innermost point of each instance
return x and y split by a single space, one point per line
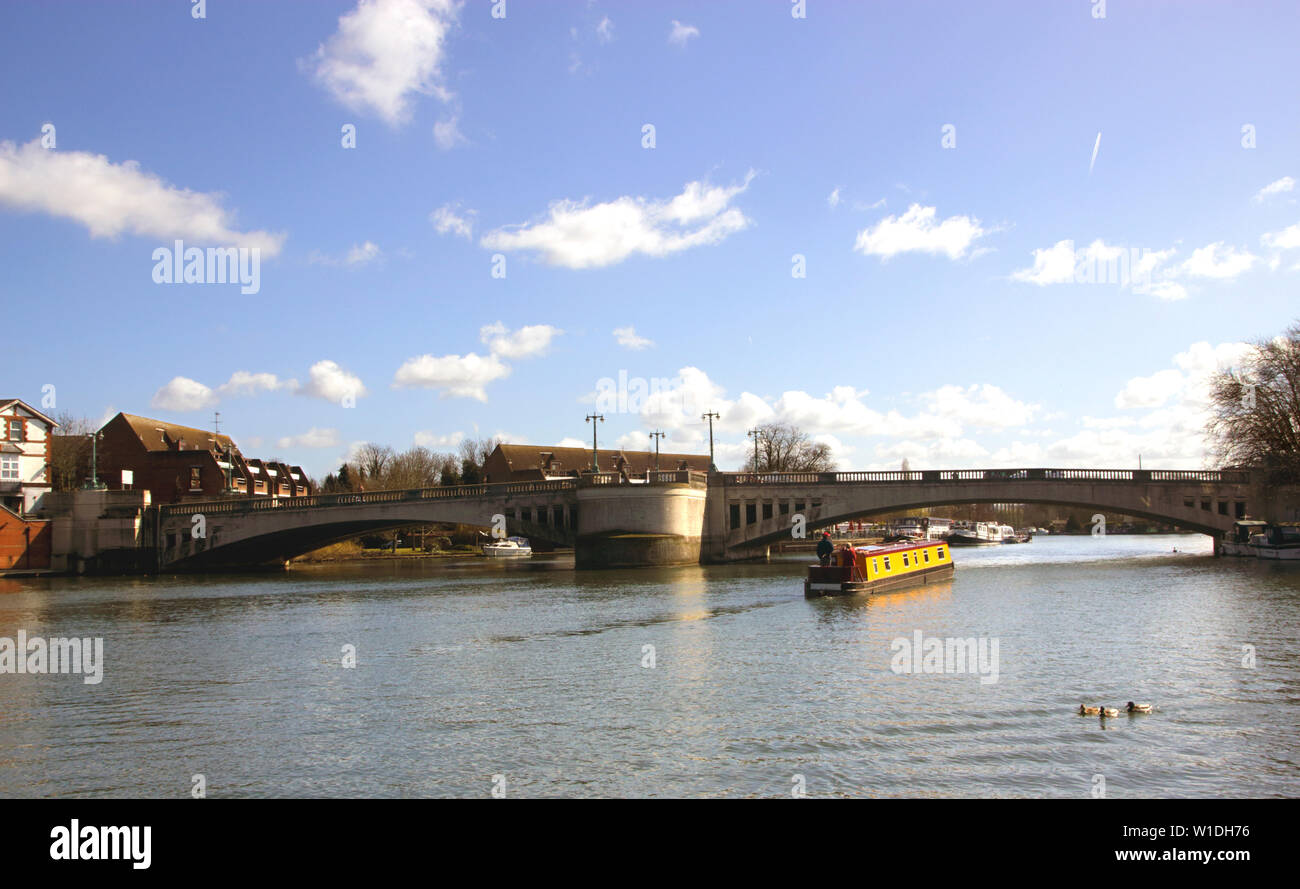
1224 476
450 492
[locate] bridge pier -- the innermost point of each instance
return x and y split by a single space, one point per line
637 526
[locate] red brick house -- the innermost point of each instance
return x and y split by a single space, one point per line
513 463
178 463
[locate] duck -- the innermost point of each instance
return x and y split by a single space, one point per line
1138 708
1109 711
1088 711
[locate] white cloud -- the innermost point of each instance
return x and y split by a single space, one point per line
983 406
605 30
447 134
331 382
384 53
1278 186
627 338
526 342
362 253
358 254
242 382
113 199
1151 391
428 439
312 438
680 33
455 375
183 394
1217 261
1287 239
447 219
578 236
916 231
833 199
1052 265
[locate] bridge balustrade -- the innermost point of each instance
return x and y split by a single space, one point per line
1225 476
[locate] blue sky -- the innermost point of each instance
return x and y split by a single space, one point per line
933 165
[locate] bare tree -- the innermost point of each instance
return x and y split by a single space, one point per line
1255 408
373 460
70 452
783 448
414 468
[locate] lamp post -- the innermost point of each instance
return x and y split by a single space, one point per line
592 418
94 461
755 434
657 435
711 416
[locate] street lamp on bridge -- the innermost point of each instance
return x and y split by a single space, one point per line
592 418
657 435
755 434
711 416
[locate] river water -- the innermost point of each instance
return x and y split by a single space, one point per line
537 680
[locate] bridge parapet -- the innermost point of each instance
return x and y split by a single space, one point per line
1221 476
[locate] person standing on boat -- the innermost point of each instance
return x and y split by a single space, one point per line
825 548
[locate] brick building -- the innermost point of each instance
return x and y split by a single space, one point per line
512 463
177 463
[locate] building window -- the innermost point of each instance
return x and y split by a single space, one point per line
196 478
734 510
14 429
1239 509
8 468
767 510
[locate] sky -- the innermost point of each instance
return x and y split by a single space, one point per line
960 234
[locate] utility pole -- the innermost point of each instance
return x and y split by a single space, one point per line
657 435
592 418
216 430
755 434
711 416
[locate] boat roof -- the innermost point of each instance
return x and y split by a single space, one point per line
897 547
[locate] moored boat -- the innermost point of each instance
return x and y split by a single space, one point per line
510 548
1237 541
879 568
976 534
1280 542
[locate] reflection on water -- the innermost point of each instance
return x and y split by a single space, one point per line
532 670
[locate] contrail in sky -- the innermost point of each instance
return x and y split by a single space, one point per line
1094 152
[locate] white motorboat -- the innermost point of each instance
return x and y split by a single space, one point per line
510 548
976 534
1280 542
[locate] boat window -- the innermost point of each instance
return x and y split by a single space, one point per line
875 567
886 563
905 563
940 551
927 555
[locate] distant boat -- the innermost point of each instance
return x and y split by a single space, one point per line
510 548
976 534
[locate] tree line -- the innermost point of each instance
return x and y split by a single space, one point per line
376 467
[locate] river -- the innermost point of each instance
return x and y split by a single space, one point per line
538 681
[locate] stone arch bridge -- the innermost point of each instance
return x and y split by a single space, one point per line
682 517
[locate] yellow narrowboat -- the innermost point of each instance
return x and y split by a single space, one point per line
878 568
